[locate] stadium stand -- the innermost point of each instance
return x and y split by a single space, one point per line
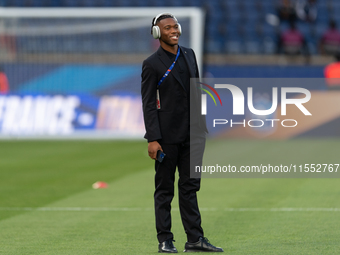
232 26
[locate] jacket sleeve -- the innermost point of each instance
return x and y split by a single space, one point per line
149 90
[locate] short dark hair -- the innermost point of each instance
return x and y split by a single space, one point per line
165 16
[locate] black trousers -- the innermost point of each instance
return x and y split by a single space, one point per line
178 155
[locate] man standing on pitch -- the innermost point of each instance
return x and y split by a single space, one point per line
166 106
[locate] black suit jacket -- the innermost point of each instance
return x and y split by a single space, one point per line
170 124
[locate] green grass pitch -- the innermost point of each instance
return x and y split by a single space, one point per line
48 206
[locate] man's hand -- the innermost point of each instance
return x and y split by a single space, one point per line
153 147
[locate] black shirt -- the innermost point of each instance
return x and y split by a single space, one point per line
182 67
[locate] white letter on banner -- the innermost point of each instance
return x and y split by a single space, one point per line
2 104
10 118
68 114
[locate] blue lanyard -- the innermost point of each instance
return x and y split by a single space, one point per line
169 70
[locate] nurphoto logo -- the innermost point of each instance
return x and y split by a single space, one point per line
238 105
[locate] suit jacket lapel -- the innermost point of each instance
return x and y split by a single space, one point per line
167 62
191 71
193 86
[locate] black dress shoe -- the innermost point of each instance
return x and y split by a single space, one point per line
167 247
202 245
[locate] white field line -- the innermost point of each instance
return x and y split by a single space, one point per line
134 209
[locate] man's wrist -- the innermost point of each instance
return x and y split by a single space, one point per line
152 141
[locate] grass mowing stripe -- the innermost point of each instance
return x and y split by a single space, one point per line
134 209
35 173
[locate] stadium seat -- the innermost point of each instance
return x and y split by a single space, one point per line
229 13
252 46
89 3
269 45
320 29
69 3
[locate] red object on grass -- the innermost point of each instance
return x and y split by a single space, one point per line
100 185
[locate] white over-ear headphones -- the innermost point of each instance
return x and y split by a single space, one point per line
156 32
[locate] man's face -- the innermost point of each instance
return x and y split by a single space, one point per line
169 31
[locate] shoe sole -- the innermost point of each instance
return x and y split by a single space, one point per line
199 251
